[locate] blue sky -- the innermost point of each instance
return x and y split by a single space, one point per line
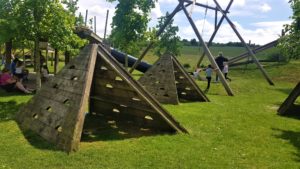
257 20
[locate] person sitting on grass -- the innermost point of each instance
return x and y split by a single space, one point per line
8 83
45 73
20 72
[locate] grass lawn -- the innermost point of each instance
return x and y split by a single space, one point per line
243 131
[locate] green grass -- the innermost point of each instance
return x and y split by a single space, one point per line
243 131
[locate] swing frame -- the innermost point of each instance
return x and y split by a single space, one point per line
182 5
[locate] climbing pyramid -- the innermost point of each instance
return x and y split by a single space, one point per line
96 81
168 82
288 106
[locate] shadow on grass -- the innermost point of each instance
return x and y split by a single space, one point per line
38 142
98 128
293 137
293 112
8 110
286 91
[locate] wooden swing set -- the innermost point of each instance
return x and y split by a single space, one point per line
182 6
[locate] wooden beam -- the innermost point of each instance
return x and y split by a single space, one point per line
215 32
245 44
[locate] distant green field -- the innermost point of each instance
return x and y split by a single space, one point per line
191 54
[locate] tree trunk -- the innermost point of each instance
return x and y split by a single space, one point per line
8 50
37 64
47 57
56 61
67 57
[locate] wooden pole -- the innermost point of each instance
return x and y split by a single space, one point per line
47 56
56 61
95 24
208 53
159 32
216 19
215 32
245 44
86 17
23 55
106 21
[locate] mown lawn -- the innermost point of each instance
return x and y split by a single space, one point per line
243 131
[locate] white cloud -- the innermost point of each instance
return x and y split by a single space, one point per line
263 32
260 32
265 7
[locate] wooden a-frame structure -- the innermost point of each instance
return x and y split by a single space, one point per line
168 82
96 80
288 107
182 4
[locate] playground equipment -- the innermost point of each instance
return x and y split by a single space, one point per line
256 50
94 78
120 56
168 82
182 4
288 106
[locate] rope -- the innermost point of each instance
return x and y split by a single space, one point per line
192 8
205 15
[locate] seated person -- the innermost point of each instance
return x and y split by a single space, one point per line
8 83
13 65
45 73
20 72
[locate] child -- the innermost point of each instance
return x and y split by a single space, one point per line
196 74
225 71
208 72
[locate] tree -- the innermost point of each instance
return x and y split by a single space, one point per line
9 16
168 41
47 20
194 42
130 24
290 43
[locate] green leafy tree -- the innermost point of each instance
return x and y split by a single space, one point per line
9 24
47 20
130 24
290 43
194 42
168 41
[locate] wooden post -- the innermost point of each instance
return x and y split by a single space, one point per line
246 46
38 64
106 21
86 17
215 32
95 24
208 53
47 56
23 55
160 31
56 61
52 58
216 19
